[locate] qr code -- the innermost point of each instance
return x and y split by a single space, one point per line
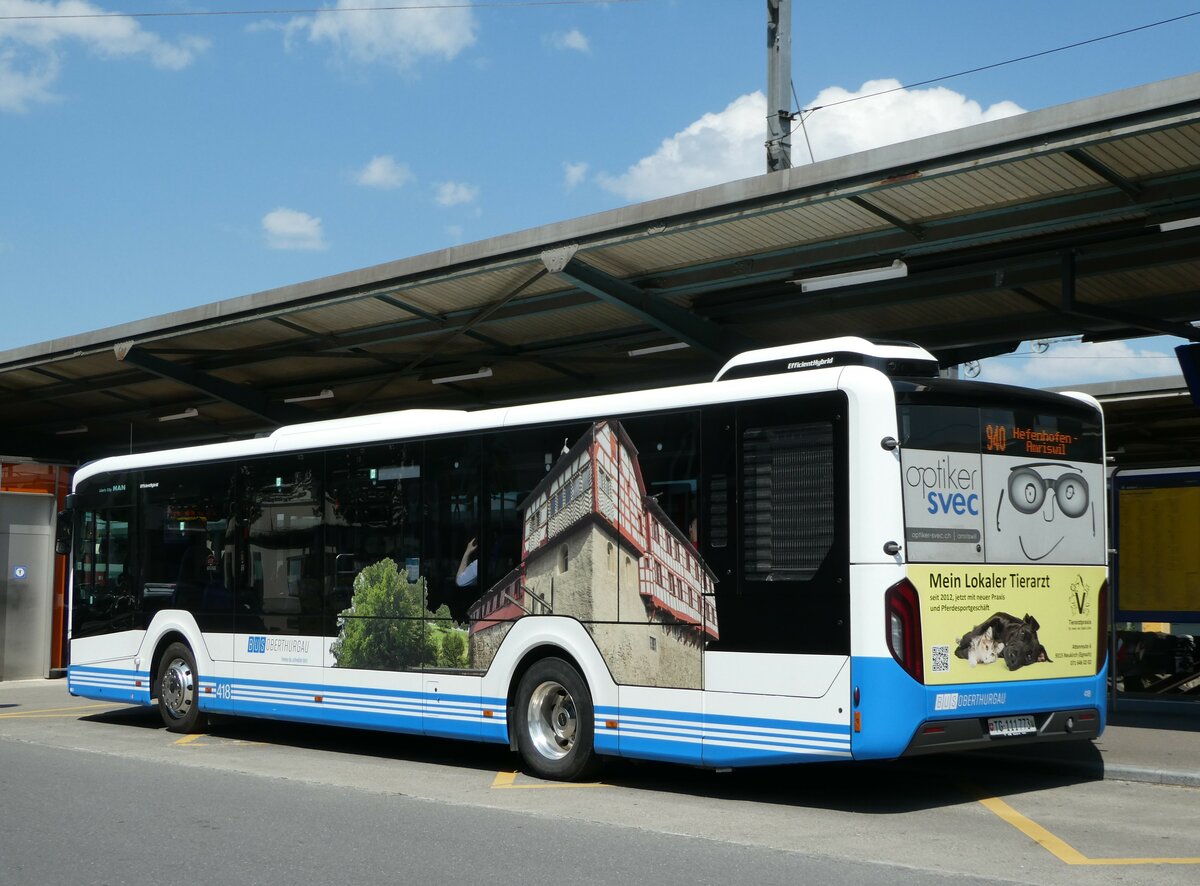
941 659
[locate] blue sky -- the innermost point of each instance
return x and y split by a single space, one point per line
156 163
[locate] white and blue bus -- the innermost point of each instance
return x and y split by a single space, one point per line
826 553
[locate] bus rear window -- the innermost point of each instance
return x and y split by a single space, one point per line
1011 481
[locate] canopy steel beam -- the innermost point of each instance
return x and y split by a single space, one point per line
1038 323
1086 160
701 334
1115 315
478 317
251 400
909 228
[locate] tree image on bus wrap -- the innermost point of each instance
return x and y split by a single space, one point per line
387 626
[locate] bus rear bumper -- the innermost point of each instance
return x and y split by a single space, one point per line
989 733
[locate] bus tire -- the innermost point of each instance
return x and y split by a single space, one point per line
179 690
555 721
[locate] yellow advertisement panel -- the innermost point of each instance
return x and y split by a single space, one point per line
988 624
1160 559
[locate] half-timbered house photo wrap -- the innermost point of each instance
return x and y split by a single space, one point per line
597 548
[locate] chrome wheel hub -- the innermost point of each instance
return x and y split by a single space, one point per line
552 720
178 688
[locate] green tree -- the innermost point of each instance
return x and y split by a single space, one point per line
452 648
383 628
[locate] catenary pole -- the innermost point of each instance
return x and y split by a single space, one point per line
779 80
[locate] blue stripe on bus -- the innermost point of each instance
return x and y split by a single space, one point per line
724 740
894 705
442 714
109 684
451 715
644 733
215 697
690 718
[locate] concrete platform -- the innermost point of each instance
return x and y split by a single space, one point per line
1151 743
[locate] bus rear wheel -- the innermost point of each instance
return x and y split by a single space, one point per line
178 690
555 721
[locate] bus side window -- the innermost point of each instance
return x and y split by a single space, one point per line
103 602
788 500
789 557
372 513
183 526
280 528
454 530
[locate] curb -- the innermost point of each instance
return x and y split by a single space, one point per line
1152 776
1100 769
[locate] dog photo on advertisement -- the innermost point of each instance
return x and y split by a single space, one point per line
1015 639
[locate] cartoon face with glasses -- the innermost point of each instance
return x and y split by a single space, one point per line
1045 499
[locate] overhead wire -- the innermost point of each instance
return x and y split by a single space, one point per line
808 142
804 113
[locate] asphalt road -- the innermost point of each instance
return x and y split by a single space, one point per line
96 793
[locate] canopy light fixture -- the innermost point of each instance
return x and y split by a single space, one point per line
81 429
482 372
190 412
326 394
853 278
1164 227
659 349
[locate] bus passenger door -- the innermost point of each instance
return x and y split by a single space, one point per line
776 534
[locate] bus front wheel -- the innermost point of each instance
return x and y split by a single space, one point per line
555 721
179 690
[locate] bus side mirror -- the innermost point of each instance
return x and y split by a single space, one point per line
62 533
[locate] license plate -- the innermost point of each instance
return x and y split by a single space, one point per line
1011 726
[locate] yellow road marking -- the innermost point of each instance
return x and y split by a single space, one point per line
193 740
56 712
1034 831
1059 848
509 779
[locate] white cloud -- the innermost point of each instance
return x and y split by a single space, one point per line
25 81
31 49
573 39
291 229
385 173
455 193
729 144
863 123
574 174
716 148
1077 362
396 37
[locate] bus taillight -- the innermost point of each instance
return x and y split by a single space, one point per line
903 619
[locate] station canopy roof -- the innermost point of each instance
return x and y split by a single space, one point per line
1071 220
